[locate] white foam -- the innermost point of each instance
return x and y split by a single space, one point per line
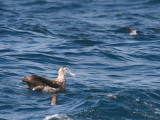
58 116
110 95
157 111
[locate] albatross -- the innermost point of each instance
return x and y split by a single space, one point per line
37 83
132 31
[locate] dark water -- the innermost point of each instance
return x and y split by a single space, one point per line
118 76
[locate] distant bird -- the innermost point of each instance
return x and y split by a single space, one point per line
37 83
132 31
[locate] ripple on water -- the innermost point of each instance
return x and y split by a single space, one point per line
36 28
88 42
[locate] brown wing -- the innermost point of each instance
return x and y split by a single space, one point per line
35 80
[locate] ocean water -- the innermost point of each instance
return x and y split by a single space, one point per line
117 75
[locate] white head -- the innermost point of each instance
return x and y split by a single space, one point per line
62 73
66 70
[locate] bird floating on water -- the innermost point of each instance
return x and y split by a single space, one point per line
37 83
132 31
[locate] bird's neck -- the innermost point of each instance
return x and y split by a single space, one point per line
62 79
61 76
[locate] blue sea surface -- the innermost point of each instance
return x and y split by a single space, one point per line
117 75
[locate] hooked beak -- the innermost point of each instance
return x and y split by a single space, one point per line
68 72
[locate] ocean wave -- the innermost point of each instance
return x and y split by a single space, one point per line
36 29
88 42
153 2
26 29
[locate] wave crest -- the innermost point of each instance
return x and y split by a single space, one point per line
58 116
